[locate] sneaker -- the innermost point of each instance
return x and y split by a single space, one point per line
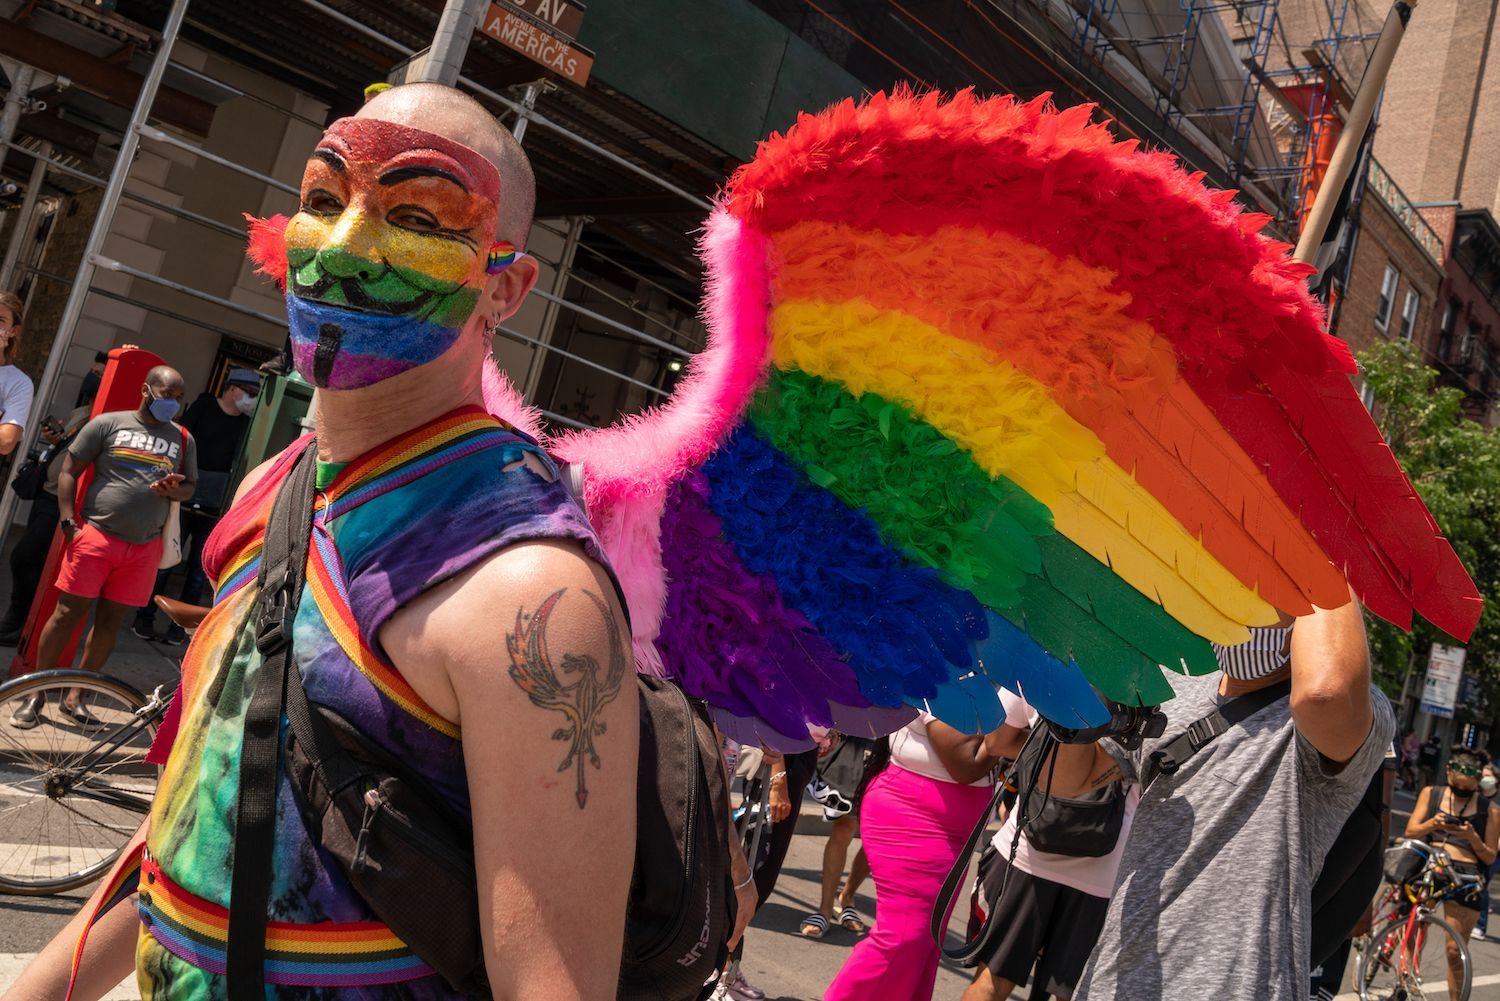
81 716
1476 933
176 635
145 629
28 713
740 989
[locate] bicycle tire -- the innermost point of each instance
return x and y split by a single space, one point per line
34 765
1410 988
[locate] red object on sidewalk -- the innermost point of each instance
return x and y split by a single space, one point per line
119 389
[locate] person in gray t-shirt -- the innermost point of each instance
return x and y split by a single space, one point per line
1214 893
142 462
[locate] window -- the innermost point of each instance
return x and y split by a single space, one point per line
1387 297
1445 330
1367 396
1409 313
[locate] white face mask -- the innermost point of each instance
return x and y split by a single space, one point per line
1267 651
245 404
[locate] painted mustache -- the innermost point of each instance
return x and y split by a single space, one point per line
355 297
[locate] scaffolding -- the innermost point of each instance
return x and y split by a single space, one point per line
1295 105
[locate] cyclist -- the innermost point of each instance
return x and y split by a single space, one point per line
1467 824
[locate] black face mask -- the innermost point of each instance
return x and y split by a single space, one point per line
1463 792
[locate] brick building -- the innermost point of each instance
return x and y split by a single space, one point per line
1466 336
1437 121
1396 274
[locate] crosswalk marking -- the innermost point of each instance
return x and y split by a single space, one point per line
12 963
1437 990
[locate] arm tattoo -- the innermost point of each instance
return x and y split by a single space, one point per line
580 691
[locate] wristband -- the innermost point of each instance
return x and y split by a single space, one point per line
777 775
748 880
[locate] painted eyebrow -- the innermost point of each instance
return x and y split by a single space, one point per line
420 170
329 157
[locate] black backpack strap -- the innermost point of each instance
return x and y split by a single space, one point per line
1172 755
1043 734
283 565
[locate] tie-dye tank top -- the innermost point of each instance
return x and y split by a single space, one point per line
388 526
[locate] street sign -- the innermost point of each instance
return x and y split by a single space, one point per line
526 37
1445 669
563 17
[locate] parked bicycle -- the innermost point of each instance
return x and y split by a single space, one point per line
1406 957
74 788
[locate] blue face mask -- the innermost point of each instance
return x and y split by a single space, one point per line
163 410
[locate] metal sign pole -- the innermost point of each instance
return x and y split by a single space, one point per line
1346 153
73 309
445 57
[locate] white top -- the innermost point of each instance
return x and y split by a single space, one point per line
911 750
15 396
1094 876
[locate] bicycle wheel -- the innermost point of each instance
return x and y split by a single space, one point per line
72 792
1407 960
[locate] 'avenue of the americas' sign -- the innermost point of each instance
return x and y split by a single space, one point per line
536 43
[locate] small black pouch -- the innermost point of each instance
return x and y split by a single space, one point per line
1081 827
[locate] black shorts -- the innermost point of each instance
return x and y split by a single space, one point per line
1473 896
1039 924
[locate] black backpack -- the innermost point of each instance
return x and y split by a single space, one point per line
411 859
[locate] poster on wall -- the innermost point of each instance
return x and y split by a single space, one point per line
1445 671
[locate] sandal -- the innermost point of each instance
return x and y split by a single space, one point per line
849 918
814 926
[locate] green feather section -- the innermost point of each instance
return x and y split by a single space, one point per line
929 499
934 503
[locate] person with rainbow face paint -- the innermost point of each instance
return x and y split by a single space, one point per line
451 579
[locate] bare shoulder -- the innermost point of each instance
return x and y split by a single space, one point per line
252 478
534 599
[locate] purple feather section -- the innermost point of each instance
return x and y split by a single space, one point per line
755 733
728 638
871 721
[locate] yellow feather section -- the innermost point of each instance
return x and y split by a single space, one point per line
1013 428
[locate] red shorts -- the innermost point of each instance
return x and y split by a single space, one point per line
99 565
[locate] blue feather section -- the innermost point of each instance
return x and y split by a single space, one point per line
1058 691
904 631
969 704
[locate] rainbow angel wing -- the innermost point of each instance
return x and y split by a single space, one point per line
991 398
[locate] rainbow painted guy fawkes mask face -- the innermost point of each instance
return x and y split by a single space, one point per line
386 259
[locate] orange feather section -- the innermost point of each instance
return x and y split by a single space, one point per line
1059 320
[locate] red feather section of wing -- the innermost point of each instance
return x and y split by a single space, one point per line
266 247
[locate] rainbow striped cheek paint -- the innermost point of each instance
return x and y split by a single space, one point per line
386 258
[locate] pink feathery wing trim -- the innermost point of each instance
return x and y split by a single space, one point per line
628 467
266 247
504 400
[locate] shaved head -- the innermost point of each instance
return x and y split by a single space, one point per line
164 377
457 116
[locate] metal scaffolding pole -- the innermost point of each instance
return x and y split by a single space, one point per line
549 312
26 221
10 117
73 310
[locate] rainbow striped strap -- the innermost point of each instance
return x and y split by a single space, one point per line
121 884
323 954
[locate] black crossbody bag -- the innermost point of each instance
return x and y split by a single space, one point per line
408 855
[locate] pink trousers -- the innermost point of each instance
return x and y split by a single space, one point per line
913 828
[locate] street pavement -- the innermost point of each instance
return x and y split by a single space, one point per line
777 959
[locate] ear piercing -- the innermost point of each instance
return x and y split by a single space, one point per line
502 255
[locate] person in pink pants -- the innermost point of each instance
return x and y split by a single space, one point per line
914 820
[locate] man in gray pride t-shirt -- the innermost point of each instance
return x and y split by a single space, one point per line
1214 893
142 462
